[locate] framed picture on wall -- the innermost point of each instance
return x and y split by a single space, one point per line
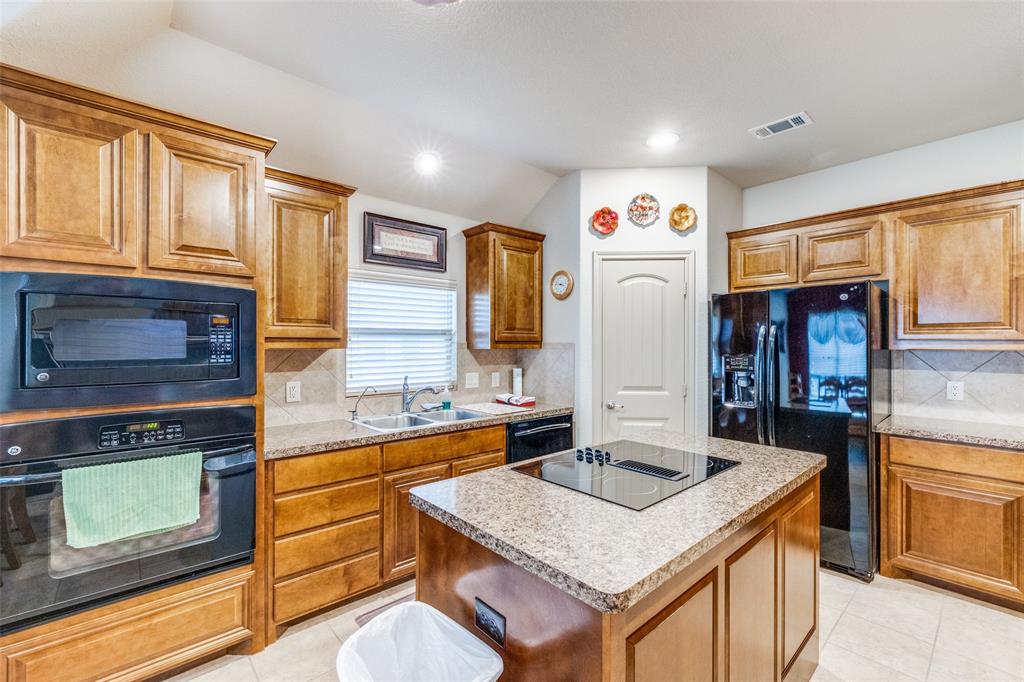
403 243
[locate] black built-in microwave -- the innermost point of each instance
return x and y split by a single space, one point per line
84 340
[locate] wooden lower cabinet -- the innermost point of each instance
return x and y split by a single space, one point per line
751 609
400 518
943 522
137 638
341 520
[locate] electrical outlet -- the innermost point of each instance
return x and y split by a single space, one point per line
293 391
472 380
495 379
954 390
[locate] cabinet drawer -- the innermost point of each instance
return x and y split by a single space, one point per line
477 441
329 505
330 467
419 451
1002 465
477 463
325 545
139 641
324 587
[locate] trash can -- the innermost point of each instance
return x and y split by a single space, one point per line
414 642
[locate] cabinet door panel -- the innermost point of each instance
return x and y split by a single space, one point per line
325 586
750 610
202 207
400 527
518 269
958 528
680 644
839 251
763 260
308 270
799 537
70 186
961 271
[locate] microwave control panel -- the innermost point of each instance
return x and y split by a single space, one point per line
222 340
141 433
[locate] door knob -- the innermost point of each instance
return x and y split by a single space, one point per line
611 405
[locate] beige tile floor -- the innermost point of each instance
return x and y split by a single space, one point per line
885 631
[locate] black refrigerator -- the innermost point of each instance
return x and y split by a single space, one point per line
809 369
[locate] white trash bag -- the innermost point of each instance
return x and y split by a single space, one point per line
414 642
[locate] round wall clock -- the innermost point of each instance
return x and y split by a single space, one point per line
561 285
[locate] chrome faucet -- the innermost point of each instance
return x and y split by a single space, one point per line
355 408
407 400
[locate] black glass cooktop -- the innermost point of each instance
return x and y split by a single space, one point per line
631 474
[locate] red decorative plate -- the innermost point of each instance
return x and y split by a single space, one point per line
604 220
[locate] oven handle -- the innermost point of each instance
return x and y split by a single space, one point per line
540 429
28 479
226 461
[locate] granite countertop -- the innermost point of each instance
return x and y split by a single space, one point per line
969 433
603 554
303 439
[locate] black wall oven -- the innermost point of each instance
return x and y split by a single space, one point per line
83 340
47 573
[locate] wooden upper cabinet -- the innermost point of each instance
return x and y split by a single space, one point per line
70 185
76 168
763 261
961 271
306 262
842 250
504 287
202 207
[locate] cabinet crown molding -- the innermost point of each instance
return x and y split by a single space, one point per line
11 76
874 209
504 229
310 182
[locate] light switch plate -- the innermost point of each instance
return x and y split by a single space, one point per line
293 391
495 379
954 390
472 380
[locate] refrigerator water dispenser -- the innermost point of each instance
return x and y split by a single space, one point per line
739 385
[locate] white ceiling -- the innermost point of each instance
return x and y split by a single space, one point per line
567 85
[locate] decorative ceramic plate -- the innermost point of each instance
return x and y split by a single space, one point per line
682 217
604 220
644 210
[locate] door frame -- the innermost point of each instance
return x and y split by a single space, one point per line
689 322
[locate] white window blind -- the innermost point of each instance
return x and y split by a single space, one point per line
399 326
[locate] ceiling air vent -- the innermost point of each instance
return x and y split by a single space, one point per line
782 125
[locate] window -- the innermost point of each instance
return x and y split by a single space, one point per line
399 326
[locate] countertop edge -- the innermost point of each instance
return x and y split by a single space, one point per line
620 601
376 438
948 435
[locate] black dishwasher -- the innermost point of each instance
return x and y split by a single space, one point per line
536 437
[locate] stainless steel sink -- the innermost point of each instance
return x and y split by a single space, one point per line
454 415
394 422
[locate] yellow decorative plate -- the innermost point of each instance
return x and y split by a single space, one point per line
682 217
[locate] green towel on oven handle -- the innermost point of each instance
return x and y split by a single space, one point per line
108 502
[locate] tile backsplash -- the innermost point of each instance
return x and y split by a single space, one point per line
993 385
548 374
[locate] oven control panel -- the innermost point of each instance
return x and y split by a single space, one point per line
222 340
141 433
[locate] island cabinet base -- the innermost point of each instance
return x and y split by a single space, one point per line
746 611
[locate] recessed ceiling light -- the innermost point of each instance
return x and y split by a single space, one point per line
427 163
662 139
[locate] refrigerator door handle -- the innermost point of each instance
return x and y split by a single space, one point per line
759 384
770 402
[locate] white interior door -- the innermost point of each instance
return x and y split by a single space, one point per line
644 344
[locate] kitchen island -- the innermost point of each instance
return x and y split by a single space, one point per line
718 581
